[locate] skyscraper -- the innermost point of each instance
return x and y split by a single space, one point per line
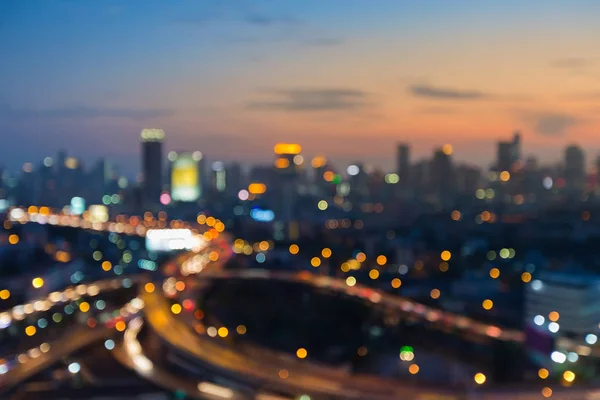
574 169
504 156
598 171
508 153
443 177
403 164
287 165
516 147
152 170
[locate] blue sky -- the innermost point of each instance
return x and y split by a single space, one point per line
232 77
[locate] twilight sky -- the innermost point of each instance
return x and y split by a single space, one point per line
346 78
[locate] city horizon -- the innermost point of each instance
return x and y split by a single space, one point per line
385 163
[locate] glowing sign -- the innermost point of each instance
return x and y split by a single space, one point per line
77 206
98 213
287 148
171 239
152 135
261 215
257 188
185 182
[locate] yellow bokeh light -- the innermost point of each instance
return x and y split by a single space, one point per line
326 252
526 277
446 255
213 256
553 316
30 330
435 293
287 148
543 373
223 332
361 257
447 149
176 309
569 376
315 261
149 287
373 274
504 176
479 378
257 188
84 307
264 245
494 273
37 283
106 265
546 392
318 162
211 221
381 260
32 210
487 304
413 369
4 294
13 239
282 163
201 219
396 283
301 353
294 249
120 326
180 286
350 281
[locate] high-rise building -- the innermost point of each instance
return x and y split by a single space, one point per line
574 169
186 181
235 178
504 155
151 140
403 164
443 177
516 147
508 153
219 177
572 297
598 171
287 164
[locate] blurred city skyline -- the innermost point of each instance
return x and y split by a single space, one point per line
342 78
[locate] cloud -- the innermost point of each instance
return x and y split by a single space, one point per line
549 123
441 93
264 20
321 99
437 110
86 112
571 62
324 42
